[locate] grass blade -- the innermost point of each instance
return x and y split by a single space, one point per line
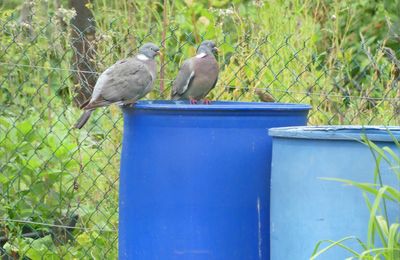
333 244
372 218
392 194
392 242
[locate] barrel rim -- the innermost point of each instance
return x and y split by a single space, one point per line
338 132
176 105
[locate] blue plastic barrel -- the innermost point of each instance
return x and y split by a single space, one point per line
305 208
194 180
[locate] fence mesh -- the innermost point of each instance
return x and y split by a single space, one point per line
59 185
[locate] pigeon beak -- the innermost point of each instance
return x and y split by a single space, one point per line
216 49
159 53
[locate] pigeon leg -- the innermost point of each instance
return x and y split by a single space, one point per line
206 101
192 101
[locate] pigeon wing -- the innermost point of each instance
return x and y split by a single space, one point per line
125 81
184 78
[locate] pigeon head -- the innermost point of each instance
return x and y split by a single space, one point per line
207 47
150 50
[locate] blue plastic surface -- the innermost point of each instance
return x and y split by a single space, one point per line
305 208
194 180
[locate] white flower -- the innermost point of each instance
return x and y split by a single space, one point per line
226 12
66 14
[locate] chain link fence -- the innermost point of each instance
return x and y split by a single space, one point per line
59 185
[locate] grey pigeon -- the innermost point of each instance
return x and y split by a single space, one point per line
123 83
198 75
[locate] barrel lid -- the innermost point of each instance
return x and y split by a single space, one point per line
342 132
219 106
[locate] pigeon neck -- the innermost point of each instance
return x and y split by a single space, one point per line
142 57
201 55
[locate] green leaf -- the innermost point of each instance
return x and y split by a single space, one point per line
317 253
392 154
383 225
373 211
42 248
24 127
392 241
368 187
83 239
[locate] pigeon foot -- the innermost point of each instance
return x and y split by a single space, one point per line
206 101
192 101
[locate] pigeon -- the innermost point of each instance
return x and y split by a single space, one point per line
198 75
123 83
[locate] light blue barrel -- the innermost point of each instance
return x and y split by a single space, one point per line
306 208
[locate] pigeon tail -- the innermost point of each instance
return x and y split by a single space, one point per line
83 119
